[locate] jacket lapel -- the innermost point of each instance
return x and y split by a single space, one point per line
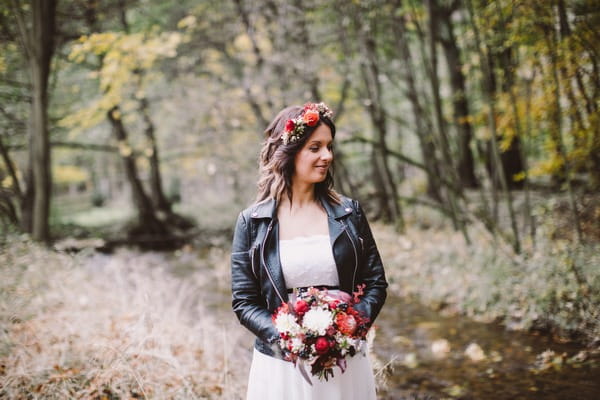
335 212
344 257
267 210
274 261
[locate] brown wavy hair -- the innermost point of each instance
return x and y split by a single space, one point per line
276 163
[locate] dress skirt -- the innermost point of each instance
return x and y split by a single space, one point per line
274 379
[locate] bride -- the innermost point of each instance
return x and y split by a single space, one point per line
300 233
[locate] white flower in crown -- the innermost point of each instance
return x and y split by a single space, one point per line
317 320
321 107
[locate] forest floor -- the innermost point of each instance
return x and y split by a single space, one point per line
119 326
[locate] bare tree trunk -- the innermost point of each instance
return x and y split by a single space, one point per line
519 131
423 128
466 164
487 76
26 222
576 115
156 187
162 205
378 118
384 211
565 30
8 162
457 220
8 196
38 42
551 42
526 142
147 221
512 163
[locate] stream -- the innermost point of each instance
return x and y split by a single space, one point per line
427 355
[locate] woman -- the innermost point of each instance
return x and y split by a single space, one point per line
301 233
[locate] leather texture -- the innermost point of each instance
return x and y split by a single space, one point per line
257 283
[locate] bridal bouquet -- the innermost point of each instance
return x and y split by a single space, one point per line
321 329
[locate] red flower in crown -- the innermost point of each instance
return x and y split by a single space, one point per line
289 125
311 117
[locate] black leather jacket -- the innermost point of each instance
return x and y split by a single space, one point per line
257 282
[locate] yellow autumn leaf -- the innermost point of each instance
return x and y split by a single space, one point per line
519 176
124 149
69 174
7 182
187 22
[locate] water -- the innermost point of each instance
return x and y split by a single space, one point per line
407 331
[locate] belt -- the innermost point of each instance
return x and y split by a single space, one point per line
319 287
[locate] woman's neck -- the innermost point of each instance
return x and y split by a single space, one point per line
302 195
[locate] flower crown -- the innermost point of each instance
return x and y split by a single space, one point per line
311 114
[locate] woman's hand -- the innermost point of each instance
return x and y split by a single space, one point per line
339 295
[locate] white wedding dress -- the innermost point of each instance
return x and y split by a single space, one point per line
308 261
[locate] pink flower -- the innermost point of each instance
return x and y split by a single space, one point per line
322 345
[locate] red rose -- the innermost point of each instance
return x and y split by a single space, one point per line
333 304
311 117
301 307
346 323
289 125
322 345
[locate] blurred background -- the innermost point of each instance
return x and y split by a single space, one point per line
468 129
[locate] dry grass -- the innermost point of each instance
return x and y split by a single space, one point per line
98 327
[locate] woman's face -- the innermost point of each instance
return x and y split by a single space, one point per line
314 159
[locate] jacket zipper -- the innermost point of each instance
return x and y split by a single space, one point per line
262 257
355 255
251 251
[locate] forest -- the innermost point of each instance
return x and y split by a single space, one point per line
129 139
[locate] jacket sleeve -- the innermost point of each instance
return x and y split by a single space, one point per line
247 302
371 273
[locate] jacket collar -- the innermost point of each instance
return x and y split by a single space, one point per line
265 209
268 209
336 211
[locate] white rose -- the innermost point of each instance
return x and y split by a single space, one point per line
286 323
317 320
297 344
